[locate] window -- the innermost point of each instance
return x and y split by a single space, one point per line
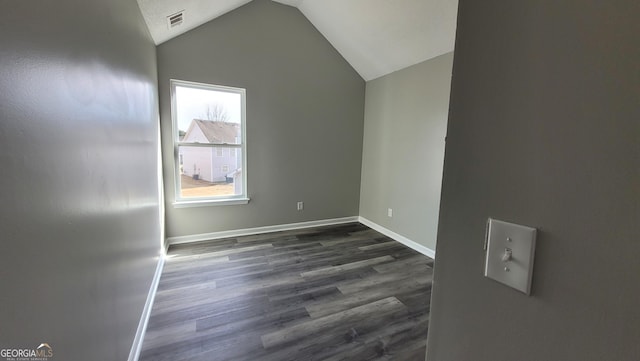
208 120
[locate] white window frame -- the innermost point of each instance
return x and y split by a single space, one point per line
214 200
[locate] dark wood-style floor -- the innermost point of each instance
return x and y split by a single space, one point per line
342 292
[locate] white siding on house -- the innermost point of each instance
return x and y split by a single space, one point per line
197 160
205 161
195 135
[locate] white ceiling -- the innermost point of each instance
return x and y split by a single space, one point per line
196 13
376 37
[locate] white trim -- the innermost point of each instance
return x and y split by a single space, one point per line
178 200
136 348
258 230
210 202
290 226
396 237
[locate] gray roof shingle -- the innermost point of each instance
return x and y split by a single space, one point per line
219 132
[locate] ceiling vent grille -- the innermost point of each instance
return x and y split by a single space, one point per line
175 19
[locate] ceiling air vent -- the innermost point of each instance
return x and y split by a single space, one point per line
175 19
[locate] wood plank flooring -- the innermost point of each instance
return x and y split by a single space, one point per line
342 292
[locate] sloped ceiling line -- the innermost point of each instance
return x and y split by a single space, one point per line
376 37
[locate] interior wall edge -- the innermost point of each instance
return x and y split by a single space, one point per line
399 238
136 347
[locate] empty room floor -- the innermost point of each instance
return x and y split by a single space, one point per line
342 292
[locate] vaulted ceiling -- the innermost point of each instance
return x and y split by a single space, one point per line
376 37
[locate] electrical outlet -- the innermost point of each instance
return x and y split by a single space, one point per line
389 212
300 206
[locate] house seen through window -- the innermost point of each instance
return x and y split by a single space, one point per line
209 142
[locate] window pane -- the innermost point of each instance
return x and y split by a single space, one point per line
204 174
208 116
208 121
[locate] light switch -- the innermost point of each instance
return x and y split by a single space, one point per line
510 251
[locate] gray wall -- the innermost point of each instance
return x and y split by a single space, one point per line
405 125
79 211
304 117
544 130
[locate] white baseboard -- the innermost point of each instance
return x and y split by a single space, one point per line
396 237
258 230
136 348
290 226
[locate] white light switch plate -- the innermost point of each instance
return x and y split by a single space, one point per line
510 251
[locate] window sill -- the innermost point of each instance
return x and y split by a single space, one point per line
210 203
